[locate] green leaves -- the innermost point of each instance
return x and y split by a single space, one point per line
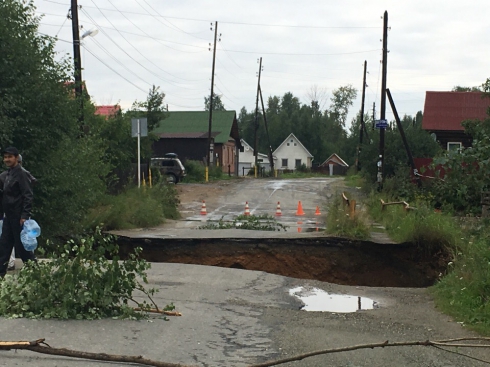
84 280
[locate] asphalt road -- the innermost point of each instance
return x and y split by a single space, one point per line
235 317
264 195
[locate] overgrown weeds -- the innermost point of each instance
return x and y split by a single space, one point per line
343 224
422 226
79 281
464 292
252 222
135 208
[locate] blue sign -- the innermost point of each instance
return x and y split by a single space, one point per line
381 124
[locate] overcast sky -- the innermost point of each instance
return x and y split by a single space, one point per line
433 46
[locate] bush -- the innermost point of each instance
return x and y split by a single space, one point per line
195 171
135 208
78 282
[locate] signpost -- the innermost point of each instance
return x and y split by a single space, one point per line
139 128
381 124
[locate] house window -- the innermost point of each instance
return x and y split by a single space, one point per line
297 163
288 144
284 162
453 146
291 140
295 144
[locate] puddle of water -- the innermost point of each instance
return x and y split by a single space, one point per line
318 300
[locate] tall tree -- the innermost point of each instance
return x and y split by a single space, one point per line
38 114
217 103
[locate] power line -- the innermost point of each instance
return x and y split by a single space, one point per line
140 64
130 82
150 37
230 22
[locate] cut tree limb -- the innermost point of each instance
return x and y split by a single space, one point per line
40 346
154 310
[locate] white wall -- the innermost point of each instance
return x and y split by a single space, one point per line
291 153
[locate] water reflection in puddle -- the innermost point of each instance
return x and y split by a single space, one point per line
318 300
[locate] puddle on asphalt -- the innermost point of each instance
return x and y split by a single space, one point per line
318 300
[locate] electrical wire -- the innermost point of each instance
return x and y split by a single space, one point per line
150 37
130 82
140 64
230 22
173 25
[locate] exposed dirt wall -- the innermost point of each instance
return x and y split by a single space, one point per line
332 260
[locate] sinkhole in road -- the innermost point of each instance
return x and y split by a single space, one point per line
318 300
328 259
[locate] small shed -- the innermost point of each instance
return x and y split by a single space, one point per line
335 165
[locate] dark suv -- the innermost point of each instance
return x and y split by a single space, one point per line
170 166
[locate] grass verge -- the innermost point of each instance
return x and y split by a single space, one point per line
340 223
135 208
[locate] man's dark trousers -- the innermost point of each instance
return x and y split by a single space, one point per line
10 236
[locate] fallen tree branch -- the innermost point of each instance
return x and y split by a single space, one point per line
155 310
427 343
40 346
36 346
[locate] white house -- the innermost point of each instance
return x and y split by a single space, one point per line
246 160
291 154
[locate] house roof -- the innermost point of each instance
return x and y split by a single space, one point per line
446 110
334 157
183 122
108 110
245 144
285 141
191 135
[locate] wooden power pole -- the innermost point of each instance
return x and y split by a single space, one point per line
211 148
256 124
77 58
383 101
362 127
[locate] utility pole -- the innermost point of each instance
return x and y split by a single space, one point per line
211 148
383 102
363 127
271 159
77 57
374 113
256 125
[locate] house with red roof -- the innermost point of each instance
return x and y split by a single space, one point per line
444 112
107 110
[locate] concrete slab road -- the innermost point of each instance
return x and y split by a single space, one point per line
235 317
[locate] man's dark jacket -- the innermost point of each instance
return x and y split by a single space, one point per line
17 194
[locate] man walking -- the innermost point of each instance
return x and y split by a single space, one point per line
16 206
32 180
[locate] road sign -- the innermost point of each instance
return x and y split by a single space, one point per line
381 124
143 127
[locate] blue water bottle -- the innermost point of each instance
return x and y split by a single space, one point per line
28 235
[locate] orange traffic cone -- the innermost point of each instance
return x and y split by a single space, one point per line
203 208
247 209
300 209
278 210
317 212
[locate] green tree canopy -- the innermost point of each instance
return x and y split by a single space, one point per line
217 103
